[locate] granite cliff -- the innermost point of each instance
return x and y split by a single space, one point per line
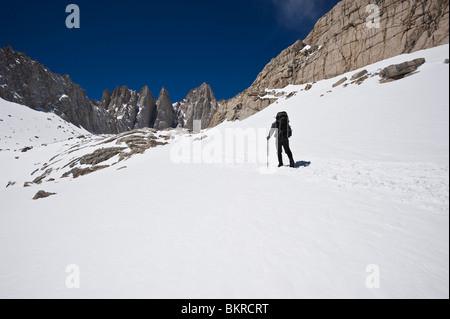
346 39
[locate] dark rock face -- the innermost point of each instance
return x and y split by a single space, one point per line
146 115
199 105
122 107
29 83
165 117
134 110
129 109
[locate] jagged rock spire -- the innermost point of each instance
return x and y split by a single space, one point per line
165 117
199 105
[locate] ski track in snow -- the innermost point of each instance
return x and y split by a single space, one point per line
414 182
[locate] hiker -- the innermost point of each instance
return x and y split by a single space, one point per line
283 132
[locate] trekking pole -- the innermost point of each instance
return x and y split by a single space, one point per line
267 154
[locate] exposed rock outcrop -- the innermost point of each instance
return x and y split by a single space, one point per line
100 156
42 194
341 42
77 172
38 180
199 105
105 152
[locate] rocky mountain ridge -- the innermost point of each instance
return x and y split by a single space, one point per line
27 82
343 40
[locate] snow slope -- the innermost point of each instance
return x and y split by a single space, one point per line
21 126
372 189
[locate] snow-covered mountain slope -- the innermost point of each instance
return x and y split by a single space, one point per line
21 127
371 194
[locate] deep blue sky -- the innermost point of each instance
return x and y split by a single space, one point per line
178 44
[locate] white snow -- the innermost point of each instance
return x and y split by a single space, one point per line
306 48
21 127
375 193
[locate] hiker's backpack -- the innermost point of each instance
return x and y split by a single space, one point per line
284 129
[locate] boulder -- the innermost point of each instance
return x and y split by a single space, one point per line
341 81
398 71
42 194
26 149
359 75
360 80
10 184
